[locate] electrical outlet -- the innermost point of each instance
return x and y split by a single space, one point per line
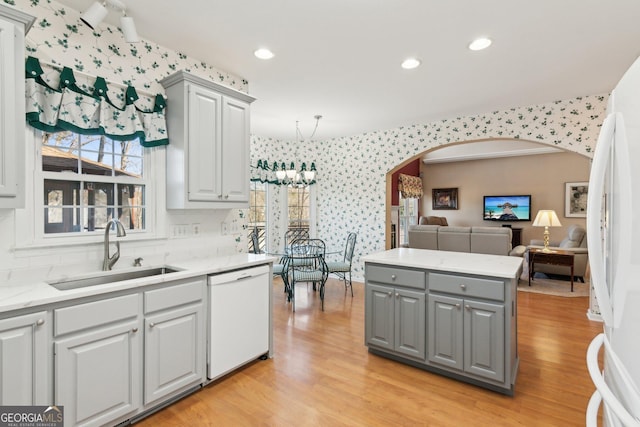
225 228
195 229
234 227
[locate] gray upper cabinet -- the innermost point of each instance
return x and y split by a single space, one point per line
208 152
14 24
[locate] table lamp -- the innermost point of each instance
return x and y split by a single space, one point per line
546 218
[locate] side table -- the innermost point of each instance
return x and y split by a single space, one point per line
555 257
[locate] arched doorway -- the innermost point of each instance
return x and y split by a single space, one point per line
480 167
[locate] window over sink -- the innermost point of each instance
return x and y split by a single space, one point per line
89 179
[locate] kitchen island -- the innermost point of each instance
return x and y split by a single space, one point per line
451 313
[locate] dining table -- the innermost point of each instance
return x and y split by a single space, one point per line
304 261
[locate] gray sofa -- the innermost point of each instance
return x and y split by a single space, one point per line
482 240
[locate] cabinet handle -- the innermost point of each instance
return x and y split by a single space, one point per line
397 295
389 293
39 322
457 305
134 330
467 306
151 324
393 277
226 196
463 287
219 196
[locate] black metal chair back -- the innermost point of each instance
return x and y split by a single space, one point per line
294 234
255 241
350 247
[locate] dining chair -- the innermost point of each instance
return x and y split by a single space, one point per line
279 269
342 269
315 271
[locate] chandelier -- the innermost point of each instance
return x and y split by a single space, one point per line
287 175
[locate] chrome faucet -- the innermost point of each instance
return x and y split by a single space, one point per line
109 261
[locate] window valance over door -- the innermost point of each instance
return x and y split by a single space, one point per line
64 106
410 186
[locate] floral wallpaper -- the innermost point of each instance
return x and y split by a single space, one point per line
58 37
351 191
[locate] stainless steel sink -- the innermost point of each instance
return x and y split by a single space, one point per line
105 278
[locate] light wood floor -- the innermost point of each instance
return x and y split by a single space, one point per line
322 375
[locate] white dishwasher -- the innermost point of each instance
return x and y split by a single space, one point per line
239 319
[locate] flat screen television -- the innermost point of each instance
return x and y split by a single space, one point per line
507 208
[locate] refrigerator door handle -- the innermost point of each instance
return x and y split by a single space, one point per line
610 400
601 159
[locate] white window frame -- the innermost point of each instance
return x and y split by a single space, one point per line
406 220
30 221
284 203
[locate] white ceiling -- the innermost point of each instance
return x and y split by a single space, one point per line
341 58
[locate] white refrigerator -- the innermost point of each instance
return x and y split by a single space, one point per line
613 233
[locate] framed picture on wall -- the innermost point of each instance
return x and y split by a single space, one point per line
575 199
444 198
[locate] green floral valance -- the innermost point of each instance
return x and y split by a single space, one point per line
68 107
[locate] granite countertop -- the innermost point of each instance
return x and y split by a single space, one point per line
25 293
508 267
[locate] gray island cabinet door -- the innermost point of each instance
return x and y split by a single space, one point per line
410 323
484 339
446 340
396 320
379 328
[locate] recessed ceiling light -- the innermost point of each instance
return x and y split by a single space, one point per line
263 53
410 63
480 43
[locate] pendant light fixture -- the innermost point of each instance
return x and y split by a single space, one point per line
289 175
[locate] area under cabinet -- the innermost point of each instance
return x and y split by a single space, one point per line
446 312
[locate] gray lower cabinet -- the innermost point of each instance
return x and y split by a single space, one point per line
395 306
24 356
467 335
460 325
397 320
